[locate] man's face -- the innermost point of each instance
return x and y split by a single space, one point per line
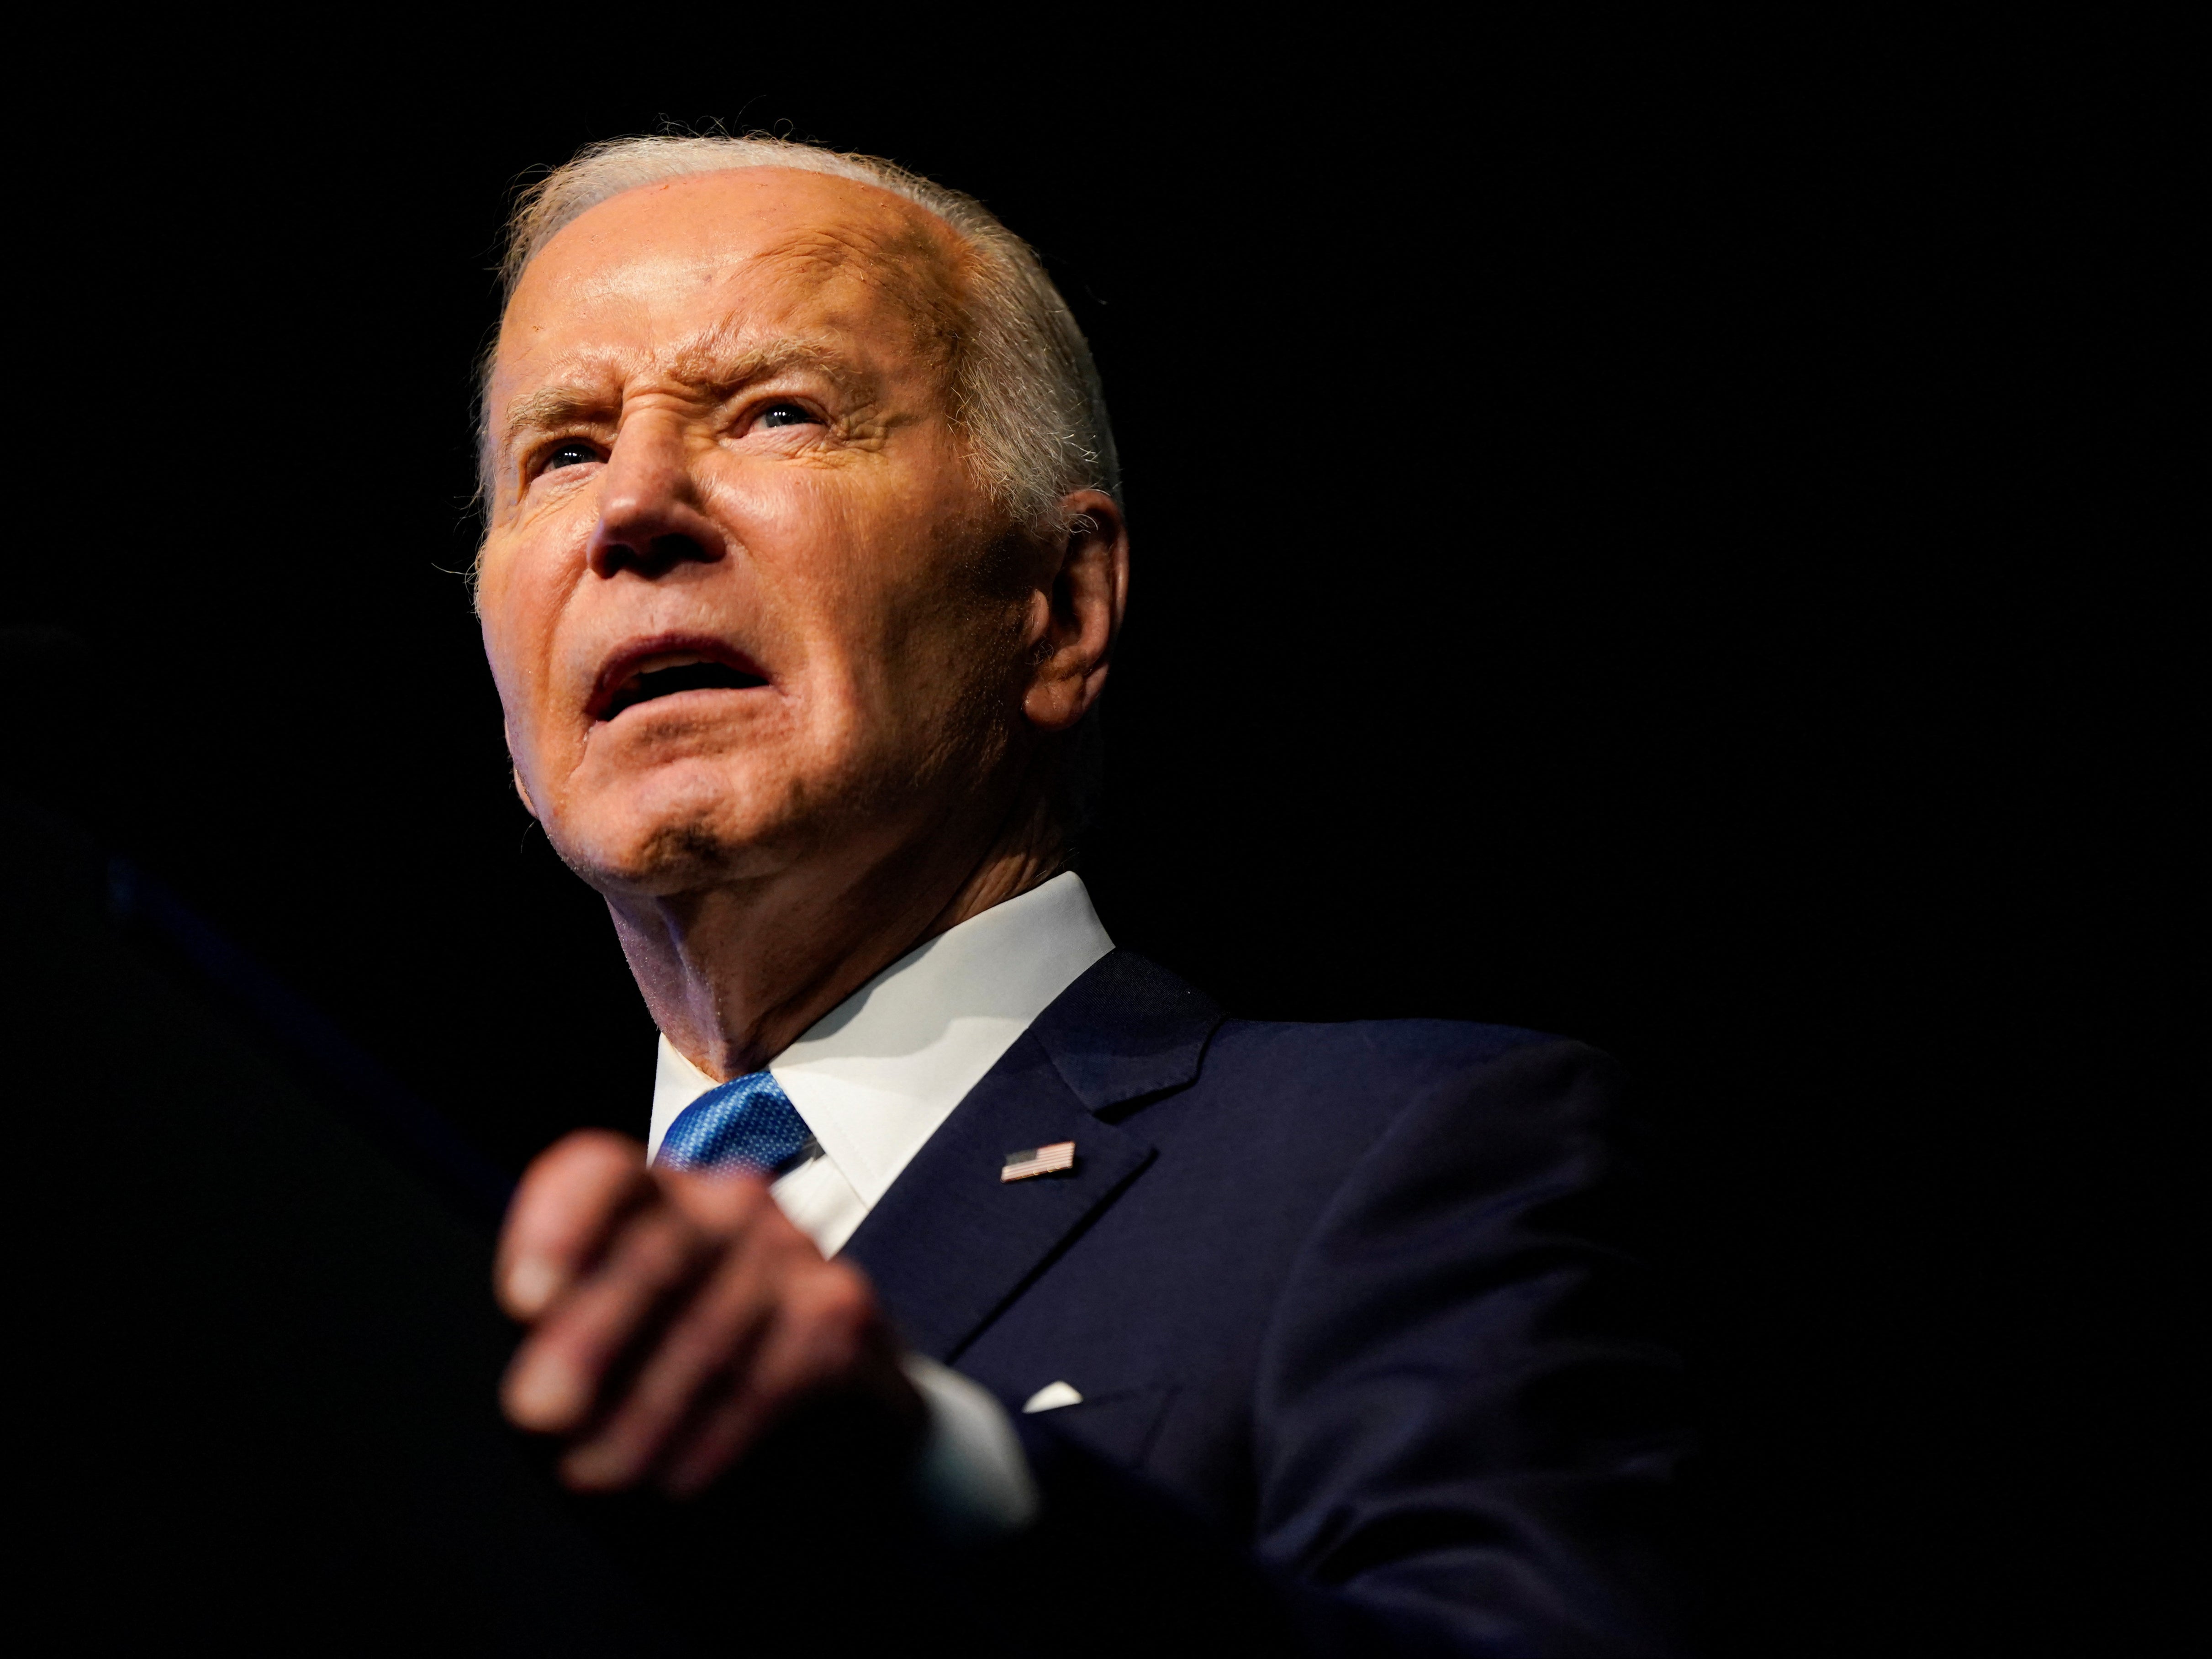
743 597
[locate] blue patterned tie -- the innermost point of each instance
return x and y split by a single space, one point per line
747 1123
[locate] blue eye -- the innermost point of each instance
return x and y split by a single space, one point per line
787 415
577 454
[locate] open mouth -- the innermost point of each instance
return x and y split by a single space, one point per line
664 677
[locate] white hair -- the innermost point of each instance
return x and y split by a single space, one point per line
1025 389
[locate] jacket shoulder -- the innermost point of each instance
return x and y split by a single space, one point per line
1133 1037
1321 1097
1381 1052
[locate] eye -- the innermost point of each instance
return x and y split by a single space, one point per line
789 414
574 452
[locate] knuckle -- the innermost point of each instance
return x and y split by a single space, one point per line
572 1185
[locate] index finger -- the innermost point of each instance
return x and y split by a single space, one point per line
562 1215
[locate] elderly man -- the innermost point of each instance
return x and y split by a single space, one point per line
803 574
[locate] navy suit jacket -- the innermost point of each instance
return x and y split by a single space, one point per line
1356 1311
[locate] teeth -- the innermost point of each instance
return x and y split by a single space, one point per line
679 660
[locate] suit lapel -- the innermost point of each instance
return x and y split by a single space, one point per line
951 1243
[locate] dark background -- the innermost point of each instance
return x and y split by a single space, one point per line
1668 555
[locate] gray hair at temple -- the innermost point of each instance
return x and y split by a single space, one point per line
1025 392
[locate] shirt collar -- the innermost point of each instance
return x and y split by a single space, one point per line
876 1076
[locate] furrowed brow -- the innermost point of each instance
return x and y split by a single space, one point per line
721 366
549 407
716 367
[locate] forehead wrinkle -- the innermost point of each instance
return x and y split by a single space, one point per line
912 266
726 356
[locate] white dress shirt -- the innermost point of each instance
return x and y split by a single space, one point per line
874 1078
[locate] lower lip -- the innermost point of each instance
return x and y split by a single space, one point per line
682 699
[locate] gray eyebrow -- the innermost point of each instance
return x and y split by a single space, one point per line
550 406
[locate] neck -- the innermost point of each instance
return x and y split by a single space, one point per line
734 974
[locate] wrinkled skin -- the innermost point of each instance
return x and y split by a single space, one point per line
723 442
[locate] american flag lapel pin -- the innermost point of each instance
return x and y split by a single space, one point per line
1039 1160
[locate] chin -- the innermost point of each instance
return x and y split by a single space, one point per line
670 834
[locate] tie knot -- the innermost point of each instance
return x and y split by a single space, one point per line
747 1123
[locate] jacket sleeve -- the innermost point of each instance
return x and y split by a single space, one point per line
1467 1428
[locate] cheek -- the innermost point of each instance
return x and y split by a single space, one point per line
944 678
902 631
835 574
516 620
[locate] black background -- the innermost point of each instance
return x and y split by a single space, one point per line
1657 547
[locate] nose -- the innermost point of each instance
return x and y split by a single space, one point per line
650 516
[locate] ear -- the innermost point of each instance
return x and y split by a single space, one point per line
1076 615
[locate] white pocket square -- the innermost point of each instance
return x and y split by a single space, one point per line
1052 1397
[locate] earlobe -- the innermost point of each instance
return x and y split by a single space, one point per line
1083 613
1055 704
